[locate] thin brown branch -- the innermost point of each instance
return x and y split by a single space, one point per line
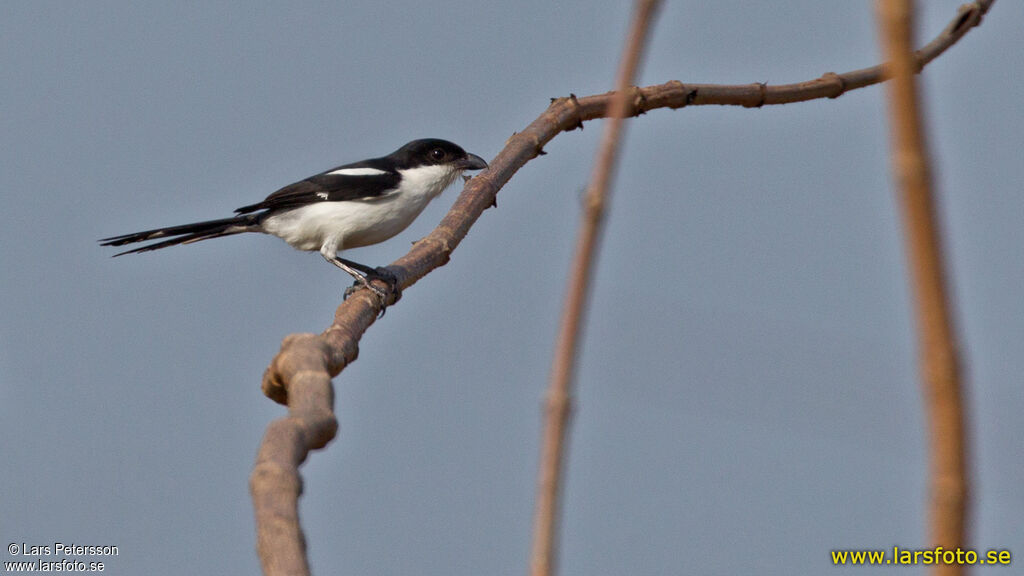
939 363
559 399
308 358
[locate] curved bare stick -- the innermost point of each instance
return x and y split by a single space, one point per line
299 376
937 348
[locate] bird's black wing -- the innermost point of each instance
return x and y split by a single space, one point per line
330 187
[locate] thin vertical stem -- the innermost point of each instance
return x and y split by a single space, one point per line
939 362
559 396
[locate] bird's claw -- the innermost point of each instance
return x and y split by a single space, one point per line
379 273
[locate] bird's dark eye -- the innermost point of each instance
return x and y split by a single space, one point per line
437 154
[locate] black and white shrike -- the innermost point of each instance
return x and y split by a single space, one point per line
349 206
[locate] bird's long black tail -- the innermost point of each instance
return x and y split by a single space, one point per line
185 233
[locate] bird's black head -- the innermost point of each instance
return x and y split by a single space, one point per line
434 152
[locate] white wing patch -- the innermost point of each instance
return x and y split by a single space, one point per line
356 172
322 195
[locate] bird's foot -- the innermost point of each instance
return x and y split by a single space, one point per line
378 273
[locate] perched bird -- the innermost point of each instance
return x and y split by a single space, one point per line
349 206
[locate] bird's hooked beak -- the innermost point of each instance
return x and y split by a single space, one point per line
471 162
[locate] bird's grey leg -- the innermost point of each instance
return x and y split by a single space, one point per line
366 270
379 273
361 278
363 275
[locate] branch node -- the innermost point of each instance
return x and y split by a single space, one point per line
444 247
538 146
967 14
762 90
576 111
298 352
689 95
835 80
639 102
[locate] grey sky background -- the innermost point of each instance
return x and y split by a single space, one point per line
747 395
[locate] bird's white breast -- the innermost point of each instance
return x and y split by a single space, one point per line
355 223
